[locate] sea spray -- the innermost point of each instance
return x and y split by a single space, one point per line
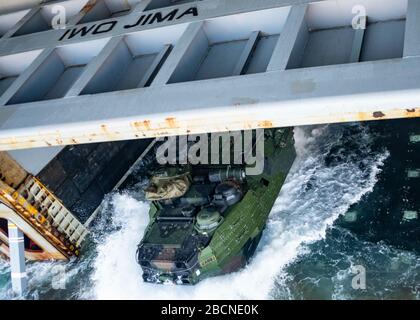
314 195
334 168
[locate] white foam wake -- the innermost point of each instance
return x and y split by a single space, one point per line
314 195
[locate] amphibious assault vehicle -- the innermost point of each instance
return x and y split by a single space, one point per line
207 220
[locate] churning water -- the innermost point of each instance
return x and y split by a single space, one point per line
307 249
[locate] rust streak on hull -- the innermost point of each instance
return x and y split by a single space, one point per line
177 126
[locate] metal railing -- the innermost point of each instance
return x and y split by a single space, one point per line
42 209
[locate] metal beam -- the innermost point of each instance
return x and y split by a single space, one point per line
192 40
154 67
412 29
15 5
142 5
74 20
246 53
292 40
21 22
23 79
17 259
356 48
285 95
206 9
95 66
49 251
338 93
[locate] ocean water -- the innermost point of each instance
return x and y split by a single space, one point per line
341 208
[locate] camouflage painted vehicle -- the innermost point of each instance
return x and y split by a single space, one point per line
208 220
